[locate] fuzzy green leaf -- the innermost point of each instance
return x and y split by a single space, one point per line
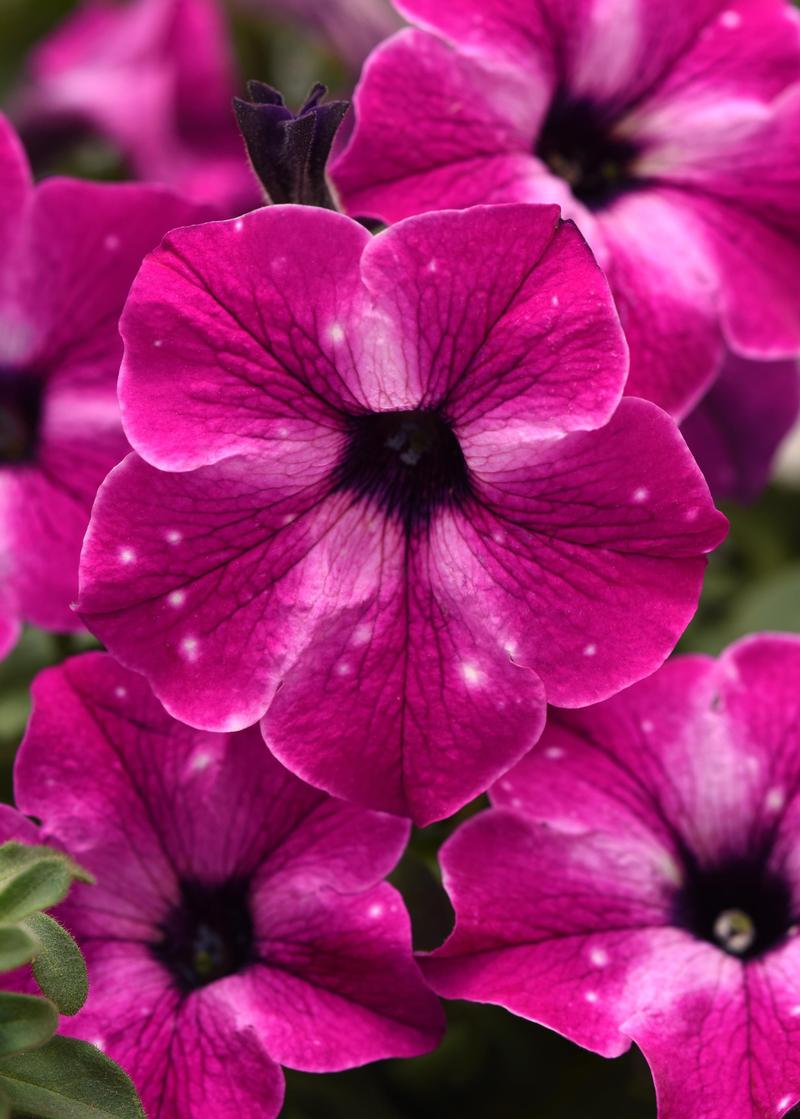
17 947
59 967
25 1022
68 1079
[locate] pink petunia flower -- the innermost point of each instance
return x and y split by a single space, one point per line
669 132
385 497
157 78
639 880
68 253
239 920
737 428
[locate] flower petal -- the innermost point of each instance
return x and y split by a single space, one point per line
572 539
239 336
339 988
16 186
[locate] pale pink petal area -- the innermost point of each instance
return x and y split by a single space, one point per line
339 961
664 281
179 128
241 336
462 139
435 708
188 1057
736 429
221 573
557 929
723 1040
582 551
16 186
517 334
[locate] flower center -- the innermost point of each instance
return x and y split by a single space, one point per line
740 907
410 463
580 147
207 935
20 416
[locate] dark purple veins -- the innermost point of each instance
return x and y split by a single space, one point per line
208 934
409 463
579 146
20 416
740 906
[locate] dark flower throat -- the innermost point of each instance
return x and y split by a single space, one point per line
409 463
207 935
739 906
579 146
20 416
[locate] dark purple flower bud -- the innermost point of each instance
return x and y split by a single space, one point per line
289 152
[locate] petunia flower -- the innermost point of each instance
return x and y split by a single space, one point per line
239 920
669 132
157 78
385 496
68 253
737 428
639 880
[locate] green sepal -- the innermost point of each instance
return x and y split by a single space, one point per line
26 1022
33 878
68 1079
58 967
18 946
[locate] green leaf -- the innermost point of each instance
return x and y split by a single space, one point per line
33 878
68 1079
59 967
17 947
5 1106
25 1022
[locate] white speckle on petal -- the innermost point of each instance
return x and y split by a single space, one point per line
641 495
471 673
432 265
556 301
591 996
98 1043
647 726
589 650
795 1012
176 598
691 514
201 761
120 692
189 648
343 668
375 911
783 1103
599 957
337 334
127 555
510 646
362 634
731 20
554 753
238 226
174 537
111 242
158 342
775 799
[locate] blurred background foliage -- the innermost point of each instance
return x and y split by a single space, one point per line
490 1065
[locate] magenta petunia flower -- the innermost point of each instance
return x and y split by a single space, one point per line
737 428
156 77
68 253
670 132
639 881
239 920
386 498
